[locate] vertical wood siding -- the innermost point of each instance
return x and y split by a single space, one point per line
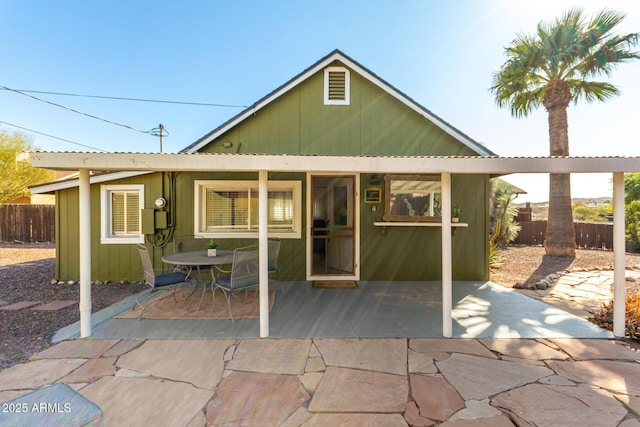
374 124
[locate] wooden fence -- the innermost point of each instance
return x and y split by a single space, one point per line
27 223
589 235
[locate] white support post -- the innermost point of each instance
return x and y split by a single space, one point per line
619 283
85 253
263 245
447 303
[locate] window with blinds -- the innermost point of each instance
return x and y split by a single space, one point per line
230 208
120 215
125 213
336 86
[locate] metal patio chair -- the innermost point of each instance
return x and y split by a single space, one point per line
155 280
244 275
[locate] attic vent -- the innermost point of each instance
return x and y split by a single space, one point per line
336 86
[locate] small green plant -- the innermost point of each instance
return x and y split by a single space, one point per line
456 211
212 244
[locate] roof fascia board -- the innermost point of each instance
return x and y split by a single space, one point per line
62 185
320 65
301 163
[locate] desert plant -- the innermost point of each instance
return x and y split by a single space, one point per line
604 317
495 259
503 213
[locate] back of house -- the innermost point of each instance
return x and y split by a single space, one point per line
356 225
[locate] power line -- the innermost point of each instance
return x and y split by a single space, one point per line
75 111
117 98
51 136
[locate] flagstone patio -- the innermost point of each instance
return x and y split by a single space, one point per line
318 382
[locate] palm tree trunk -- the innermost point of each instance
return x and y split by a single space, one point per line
560 237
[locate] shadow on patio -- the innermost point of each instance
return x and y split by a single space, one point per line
375 310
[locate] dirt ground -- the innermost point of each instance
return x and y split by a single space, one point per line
521 265
26 272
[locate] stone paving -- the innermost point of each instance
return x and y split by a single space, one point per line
578 292
355 382
50 306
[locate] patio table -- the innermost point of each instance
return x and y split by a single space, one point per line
199 259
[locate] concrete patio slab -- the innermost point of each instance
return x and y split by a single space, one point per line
479 377
350 390
562 406
382 355
285 356
375 310
198 362
146 402
33 375
55 305
247 398
86 349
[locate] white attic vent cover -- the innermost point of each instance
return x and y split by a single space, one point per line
336 86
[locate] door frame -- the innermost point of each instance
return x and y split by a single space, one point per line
356 227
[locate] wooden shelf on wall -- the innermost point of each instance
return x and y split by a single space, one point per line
417 224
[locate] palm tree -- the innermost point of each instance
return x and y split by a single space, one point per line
553 68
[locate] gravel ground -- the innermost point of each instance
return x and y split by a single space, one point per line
528 264
26 271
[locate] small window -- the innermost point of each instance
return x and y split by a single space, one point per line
230 209
336 86
120 214
412 198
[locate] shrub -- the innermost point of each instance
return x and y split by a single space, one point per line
604 317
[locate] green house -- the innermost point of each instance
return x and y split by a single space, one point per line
352 222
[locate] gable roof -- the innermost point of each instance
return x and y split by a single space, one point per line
337 55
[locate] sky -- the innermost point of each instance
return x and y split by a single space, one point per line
442 54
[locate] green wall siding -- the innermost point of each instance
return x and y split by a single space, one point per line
392 253
415 253
374 124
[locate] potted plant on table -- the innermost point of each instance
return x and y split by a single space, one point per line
211 248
